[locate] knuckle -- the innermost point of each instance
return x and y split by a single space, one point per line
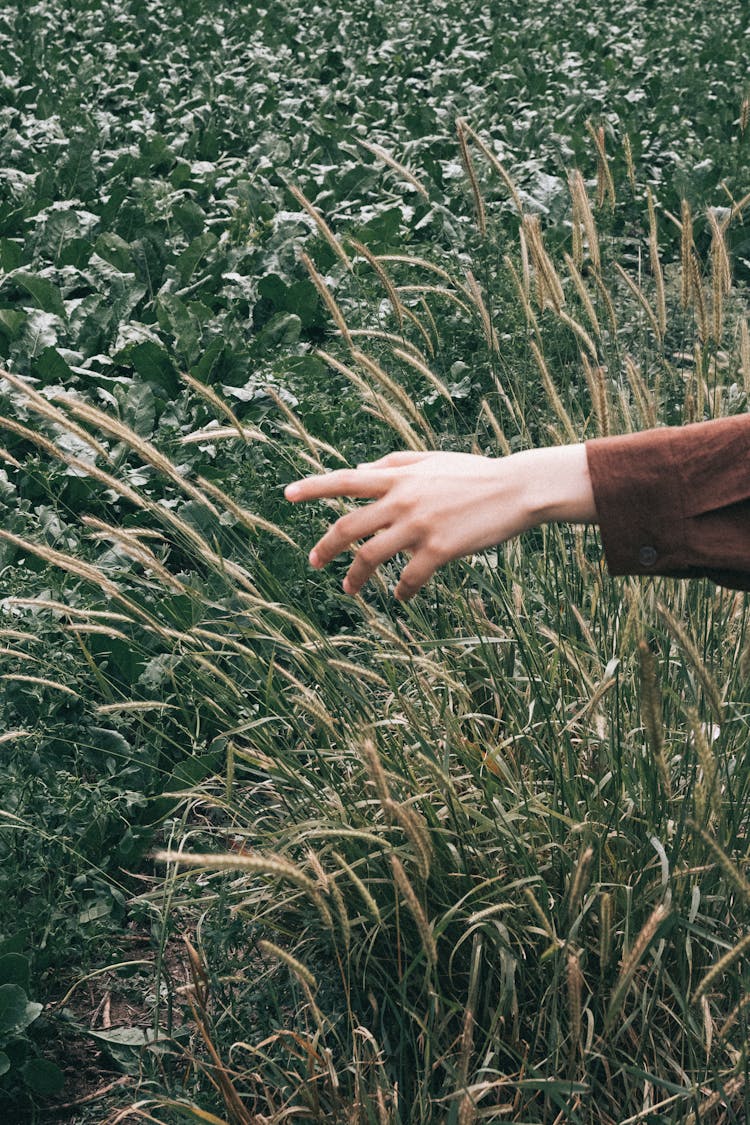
366 554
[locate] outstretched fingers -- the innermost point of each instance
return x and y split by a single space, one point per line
364 484
415 575
369 557
359 524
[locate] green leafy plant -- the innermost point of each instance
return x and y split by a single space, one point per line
20 1061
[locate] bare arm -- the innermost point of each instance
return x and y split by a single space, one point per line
440 506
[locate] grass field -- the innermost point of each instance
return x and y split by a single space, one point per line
478 857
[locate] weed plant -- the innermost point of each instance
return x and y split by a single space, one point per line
481 856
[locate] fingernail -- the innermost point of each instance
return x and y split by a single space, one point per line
314 558
292 491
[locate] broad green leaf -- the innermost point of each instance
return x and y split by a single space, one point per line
43 1077
11 322
14 969
50 367
16 1011
153 364
45 295
188 261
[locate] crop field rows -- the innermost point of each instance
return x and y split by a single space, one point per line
270 851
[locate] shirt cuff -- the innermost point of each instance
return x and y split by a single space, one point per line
639 493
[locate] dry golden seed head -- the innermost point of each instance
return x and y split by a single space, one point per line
416 832
145 450
391 161
292 963
745 355
321 224
575 999
744 115
583 294
43 406
634 958
139 705
415 908
581 333
651 715
707 794
549 286
14 677
376 371
440 291
223 433
384 277
247 519
605 929
540 913
523 293
375 771
467 1045
686 253
644 399
690 650
580 879
362 890
583 215
597 385
551 391
9 458
419 365
471 173
487 326
497 429
629 165
327 296
467 1111
732 872
640 296
699 300
216 401
269 864
496 164
656 269
604 182
721 967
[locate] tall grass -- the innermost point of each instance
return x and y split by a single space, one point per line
481 856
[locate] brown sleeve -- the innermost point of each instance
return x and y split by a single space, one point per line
676 501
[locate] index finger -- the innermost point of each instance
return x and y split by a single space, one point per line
358 483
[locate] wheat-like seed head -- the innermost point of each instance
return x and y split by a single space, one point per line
634 958
292 963
690 649
656 270
321 224
384 277
415 908
472 175
584 217
387 158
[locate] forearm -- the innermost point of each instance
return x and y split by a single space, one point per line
676 500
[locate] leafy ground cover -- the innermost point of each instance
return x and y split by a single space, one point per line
575 859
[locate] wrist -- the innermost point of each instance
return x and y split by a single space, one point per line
558 485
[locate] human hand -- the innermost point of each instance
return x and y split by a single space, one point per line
440 506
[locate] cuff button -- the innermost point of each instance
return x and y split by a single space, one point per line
647 556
